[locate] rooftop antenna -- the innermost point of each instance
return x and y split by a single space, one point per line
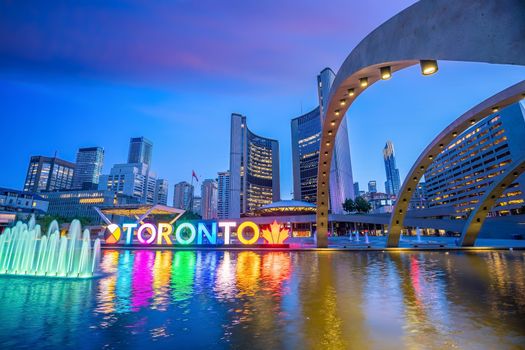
56 152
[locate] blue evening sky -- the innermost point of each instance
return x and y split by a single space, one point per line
99 72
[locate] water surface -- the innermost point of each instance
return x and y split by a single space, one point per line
269 300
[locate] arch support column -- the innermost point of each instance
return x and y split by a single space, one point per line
478 216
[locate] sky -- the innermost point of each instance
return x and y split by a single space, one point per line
95 73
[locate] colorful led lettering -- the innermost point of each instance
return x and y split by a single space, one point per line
198 233
152 231
202 230
240 232
178 233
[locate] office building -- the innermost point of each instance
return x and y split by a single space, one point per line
140 150
19 202
130 180
254 169
223 200
356 189
161 192
48 174
393 182
372 186
88 167
82 204
306 136
196 206
209 197
419 198
183 196
463 171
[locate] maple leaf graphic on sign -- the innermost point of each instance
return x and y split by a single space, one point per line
275 235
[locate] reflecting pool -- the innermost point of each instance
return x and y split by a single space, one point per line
270 300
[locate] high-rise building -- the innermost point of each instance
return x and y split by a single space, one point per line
223 200
306 138
356 189
463 171
132 180
393 182
183 196
196 206
209 196
161 192
88 168
48 174
140 150
372 186
254 169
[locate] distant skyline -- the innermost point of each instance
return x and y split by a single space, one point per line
101 72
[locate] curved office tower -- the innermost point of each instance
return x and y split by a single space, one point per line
306 136
254 169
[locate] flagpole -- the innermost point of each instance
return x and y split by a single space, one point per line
191 199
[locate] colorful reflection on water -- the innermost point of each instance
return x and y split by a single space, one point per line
270 300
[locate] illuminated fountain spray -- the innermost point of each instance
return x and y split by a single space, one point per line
23 251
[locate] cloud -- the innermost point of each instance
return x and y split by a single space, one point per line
257 43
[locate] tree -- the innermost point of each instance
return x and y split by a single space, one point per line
361 205
349 205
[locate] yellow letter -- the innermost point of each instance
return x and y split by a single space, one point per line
165 230
255 229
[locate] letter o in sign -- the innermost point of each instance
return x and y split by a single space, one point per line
152 230
240 232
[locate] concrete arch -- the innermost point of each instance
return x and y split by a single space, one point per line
472 31
479 214
502 99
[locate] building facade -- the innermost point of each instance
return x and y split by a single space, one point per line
183 195
209 197
140 150
76 204
461 173
88 167
372 186
161 192
15 201
131 180
223 200
254 169
196 205
306 138
393 182
48 174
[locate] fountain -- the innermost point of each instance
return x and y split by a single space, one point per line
23 251
357 236
366 238
418 234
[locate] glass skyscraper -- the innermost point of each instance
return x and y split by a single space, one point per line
223 200
254 169
306 136
183 196
48 174
209 196
88 168
393 182
140 150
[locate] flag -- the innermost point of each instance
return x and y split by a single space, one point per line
194 175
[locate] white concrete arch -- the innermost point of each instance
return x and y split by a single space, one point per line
501 100
471 31
479 214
